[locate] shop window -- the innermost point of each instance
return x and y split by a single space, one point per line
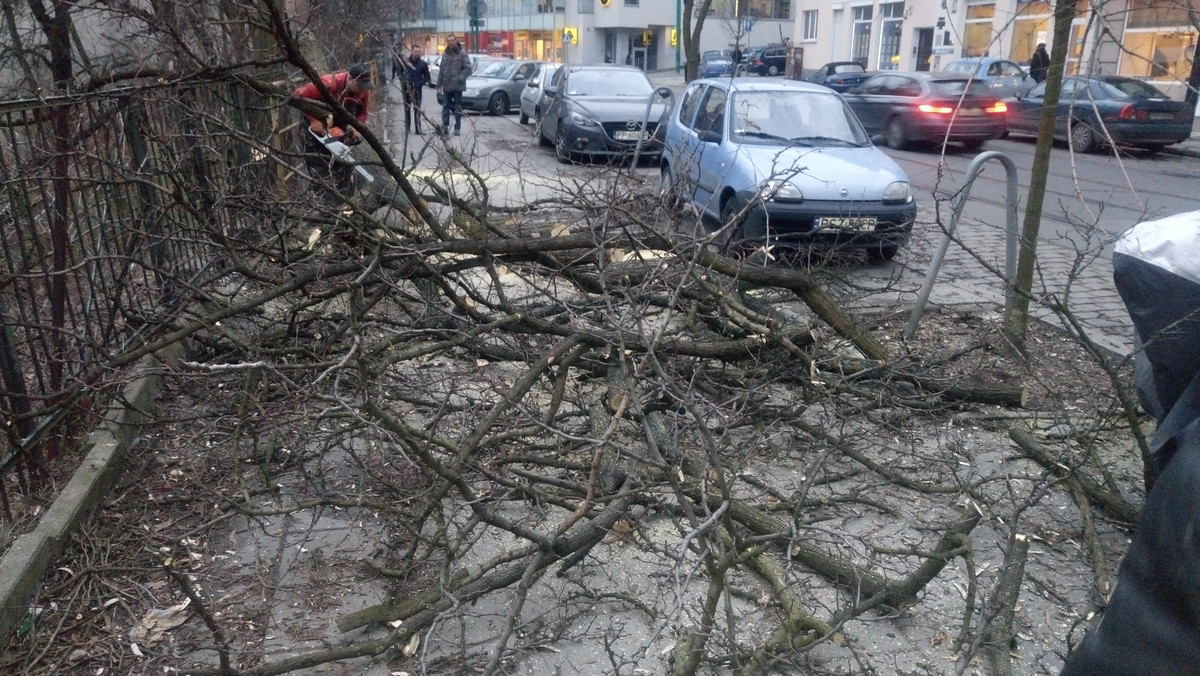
1165 55
978 33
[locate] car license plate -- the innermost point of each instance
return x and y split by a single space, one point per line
1158 117
970 112
847 223
626 135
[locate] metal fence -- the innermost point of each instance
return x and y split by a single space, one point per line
114 208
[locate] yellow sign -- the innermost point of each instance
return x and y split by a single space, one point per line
605 3
570 36
647 36
674 37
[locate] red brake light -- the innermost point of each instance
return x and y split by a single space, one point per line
1131 113
930 108
997 107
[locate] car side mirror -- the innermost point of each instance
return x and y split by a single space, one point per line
879 139
710 136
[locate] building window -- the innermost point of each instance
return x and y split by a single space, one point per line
891 17
770 9
978 34
810 24
860 42
1031 28
631 3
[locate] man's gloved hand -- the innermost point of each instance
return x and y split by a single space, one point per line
316 126
336 133
351 138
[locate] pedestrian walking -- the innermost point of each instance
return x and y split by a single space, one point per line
351 89
1039 63
454 69
414 77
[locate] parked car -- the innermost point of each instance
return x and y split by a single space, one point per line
1105 111
1003 77
840 76
770 60
495 84
784 163
910 107
601 111
716 63
534 92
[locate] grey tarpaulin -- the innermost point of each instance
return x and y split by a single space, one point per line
1152 623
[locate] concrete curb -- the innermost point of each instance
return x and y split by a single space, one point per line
24 565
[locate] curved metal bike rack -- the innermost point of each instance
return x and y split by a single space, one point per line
1010 267
664 93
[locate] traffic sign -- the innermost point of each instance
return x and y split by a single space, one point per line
570 36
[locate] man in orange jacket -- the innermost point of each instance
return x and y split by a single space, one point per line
352 89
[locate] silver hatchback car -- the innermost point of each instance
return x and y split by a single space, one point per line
784 164
1002 77
535 91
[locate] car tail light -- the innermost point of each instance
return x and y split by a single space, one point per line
1131 113
940 110
997 107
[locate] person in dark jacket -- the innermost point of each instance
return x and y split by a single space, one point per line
351 89
453 71
1039 63
415 77
1152 622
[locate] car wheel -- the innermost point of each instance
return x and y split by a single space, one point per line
666 185
1083 137
524 119
1152 149
882 253
560 145
537 133
972 146
895 136
498 104
772 70
732 218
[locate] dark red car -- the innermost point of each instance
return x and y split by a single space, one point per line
917 107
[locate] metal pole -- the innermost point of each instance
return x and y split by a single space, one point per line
666 94
935 265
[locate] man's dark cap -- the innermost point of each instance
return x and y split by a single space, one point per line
362 73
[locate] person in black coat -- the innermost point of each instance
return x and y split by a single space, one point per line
416 76
1152 622
1039 63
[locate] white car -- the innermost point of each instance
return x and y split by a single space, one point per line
535 91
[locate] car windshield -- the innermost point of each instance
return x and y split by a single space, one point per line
609 83
497 69
843 68
794 118
958 87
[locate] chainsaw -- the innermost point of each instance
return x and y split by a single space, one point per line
342 153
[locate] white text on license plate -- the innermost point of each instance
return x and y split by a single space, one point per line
627 135
847 223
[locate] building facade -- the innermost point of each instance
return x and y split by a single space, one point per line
642 33
1149 39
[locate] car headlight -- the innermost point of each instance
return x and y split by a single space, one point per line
898 192
781 191
581 121
471 92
